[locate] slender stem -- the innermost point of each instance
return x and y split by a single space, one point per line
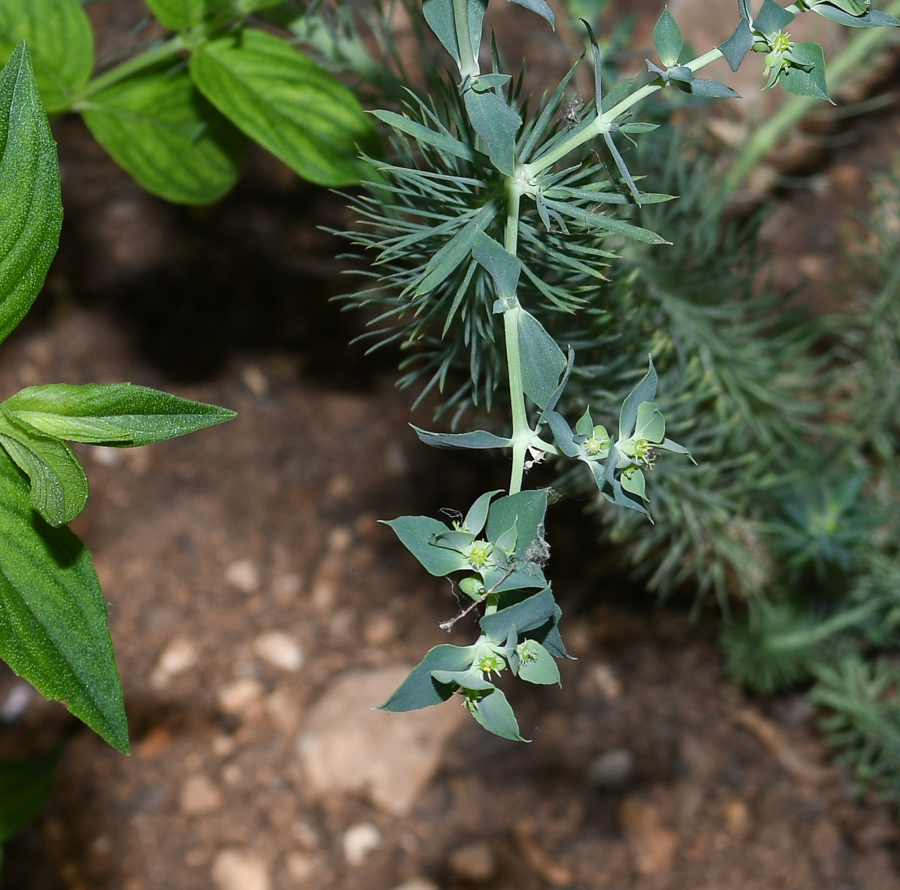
602 124
133 66
468 62
521 432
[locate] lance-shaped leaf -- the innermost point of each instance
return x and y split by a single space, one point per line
494 713
53 619
872 18
525 510
503 267
478 439
535 664
771 18
440 17
497 124
524 616
158 127
712 89
808 80
24 787
644 391
543 362
119 414
738 45
420 689
426 136
30 206
477 515
667 39
541 7
59 36
286 103
59 486
417 534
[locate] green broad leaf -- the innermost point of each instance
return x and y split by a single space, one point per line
477 515
503 267
497 124
525 510
738 45
611 487
440 17
548 636
30 206
159 128
667 39
426 136
458 249
478 439
25 786
416 534
853 7
53 619
644 391
61 41
111 414
651 425
181 15
804 82
59 485
635 483
772 18
585 424
562 433
871 19
541 8
286 103
536 664
524 616
682 74
420 689
543 362
472 679
494 713
712 89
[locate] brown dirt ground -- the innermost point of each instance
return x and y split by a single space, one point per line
268 523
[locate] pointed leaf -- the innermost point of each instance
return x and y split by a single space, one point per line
288 104
870 19
61 42
645 391
497 124
115 414
667 39
25 786
159 128
478 439
30 206
440 18
426 136
478 512
634 483
562 433
738 45
651 425
420 689
523 616
806 82
536 664
180 15
543 362
525 510
494 713
53 619
772 18
541 7
416 533
712 89
503 267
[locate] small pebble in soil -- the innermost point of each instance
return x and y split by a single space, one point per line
244 575
16 703
240 870
612 769
473 862
179 656
417 884
279 649
236 697
199 795
359 841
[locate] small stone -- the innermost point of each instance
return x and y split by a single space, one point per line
240 870
653 846
611 769
16 703
380 630
303 866
359 841
283 710
604 679
279 649
179 656
199 795
473 862
244 575
255 381
417 884
236 697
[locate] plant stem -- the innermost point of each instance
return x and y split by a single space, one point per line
468 63
764 137
521 431
602 124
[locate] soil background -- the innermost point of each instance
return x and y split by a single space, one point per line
259 610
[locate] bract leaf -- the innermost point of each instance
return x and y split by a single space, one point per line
543 362
477 515
59 486
771 18
111 414
523 616
525 510
503 267
158 127
30 206
420 689
497 124
24 787
288 104
738 45
61 42
712 89
644 391
634 483
651 425
416 534
478 439
667 39
53 619
562 433
494 713
536 664
541 7
870 19
804 82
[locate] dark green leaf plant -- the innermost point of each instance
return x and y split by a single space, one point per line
53 617
493 229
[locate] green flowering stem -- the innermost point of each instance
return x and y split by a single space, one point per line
522 433
468 61
603 123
